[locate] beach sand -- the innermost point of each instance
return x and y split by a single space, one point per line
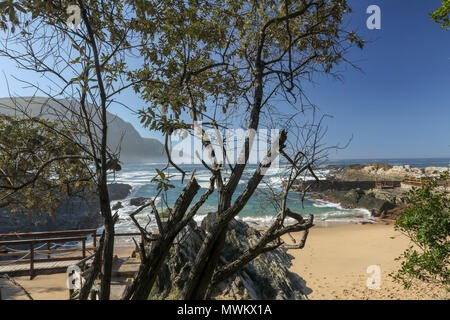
335 259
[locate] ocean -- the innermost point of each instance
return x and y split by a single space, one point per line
259 209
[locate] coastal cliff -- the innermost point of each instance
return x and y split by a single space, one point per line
121 134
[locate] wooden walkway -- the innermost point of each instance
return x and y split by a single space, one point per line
41 267
56 258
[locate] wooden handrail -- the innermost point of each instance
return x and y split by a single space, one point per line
65 239
21 253
48 233
47 259
52 237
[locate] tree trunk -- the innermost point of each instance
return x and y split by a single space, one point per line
108 246
148 271
208 257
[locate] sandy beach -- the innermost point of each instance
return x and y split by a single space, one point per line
333 264
335 259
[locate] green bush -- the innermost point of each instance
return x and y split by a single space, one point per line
426 221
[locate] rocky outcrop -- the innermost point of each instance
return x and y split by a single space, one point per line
77 212
267 277
323 185
117 206
386 172
357 198
396 198
138 201
119 191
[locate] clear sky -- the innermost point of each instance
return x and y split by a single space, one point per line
398 106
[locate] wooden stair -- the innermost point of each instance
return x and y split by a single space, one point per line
124 270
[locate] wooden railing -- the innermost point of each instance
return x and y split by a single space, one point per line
34 239
416 181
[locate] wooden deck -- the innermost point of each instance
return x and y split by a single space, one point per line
39 267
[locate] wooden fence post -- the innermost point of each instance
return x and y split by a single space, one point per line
31 260
83 244
48 248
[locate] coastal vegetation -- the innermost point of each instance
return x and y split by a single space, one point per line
426 221
197 75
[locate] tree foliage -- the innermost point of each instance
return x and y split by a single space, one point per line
203 62
85 64
442 15
427 223
37 165
212 65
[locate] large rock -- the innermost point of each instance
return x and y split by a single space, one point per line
118 191
267 277
356 198
395 198
138 201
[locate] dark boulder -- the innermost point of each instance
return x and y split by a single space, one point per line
117 206
356 198
119 191
138 201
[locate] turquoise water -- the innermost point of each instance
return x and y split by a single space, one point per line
259 208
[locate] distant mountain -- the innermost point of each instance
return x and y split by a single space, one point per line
133 147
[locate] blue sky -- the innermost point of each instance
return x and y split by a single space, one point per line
397 107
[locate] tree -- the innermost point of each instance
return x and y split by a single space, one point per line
426 221
37 166
86 67
442 15
220 60
206 64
